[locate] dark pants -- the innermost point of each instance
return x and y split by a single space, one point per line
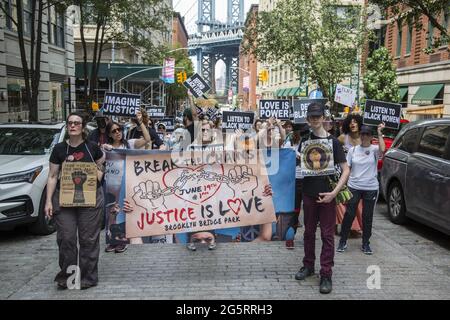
369 200
78 226
325 213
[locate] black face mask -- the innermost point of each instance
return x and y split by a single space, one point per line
101 123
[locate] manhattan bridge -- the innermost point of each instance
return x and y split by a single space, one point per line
217 40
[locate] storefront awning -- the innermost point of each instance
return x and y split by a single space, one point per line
426 94
14 87
403 91
292 92
277 93
282 93
118 71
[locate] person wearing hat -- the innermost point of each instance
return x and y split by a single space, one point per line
319 203
363 184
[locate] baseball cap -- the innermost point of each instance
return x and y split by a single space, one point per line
315 109
366 129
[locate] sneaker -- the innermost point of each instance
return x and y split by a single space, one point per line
366 249
85 286
325 285
110 248
212 246
289 244
191 246
304 273
62 286
121 248
342 246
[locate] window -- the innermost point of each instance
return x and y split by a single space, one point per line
430 33
11 8
56 26
409 39
433 141
408 141
399 40
27 17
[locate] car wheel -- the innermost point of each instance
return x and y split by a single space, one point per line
42 226
396 203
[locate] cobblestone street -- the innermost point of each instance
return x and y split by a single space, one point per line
414 263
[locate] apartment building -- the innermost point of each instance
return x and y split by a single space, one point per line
56 88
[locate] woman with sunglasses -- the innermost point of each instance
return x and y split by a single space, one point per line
76 225
117 141
363 183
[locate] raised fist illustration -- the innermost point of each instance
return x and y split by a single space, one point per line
78 178
148 195
242 179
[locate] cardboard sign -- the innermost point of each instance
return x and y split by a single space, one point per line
301 108
232 120
376 112
121 104
78 184
156 112
279 109
168 122
345 95
317 158
172 198
197 85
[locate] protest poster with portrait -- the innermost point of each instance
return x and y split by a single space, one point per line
78 186
170 196
317 157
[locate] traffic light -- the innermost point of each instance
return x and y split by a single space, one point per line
263 76
181 76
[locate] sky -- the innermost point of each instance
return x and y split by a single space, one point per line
189 10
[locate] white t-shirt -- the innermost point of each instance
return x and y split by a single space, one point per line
363 163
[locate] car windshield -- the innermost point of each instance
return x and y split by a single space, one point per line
27 141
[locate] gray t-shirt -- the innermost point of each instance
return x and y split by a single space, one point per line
363 163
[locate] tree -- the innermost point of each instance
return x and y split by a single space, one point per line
126 22
31 60
380 79
436 11
176 91
311 37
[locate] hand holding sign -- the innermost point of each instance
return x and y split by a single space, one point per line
242 177
139 117
149 195
380 128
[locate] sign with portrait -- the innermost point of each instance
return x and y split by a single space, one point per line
317 157
78 186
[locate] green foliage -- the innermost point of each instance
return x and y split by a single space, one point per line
410 11
311 37
380 79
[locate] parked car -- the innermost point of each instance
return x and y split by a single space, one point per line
415 178
24 155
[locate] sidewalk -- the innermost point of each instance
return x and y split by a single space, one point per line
234 271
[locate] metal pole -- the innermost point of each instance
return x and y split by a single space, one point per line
113 59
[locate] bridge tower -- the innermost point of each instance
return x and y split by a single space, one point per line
217 40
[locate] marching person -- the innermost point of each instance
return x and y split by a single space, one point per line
318 198
117 141
363 184
72 221
99 135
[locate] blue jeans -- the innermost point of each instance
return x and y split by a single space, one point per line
369 200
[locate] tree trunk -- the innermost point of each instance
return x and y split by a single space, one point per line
84 46
93 77
36 73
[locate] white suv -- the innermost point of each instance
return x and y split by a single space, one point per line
24 156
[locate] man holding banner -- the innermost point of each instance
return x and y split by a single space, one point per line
319 152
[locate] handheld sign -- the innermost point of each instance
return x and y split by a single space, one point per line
232 120
197 85
279 109
169 123
156 112
301 108
212 113
78 184
376 112
121 104
345 95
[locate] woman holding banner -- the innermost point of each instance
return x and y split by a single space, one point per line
76 203
117 140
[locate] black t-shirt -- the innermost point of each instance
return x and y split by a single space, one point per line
312 186
137 134
191 129
62 152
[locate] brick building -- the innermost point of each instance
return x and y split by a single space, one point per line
424 79
179 32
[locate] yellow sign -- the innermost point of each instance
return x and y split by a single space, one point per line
78 184
94 106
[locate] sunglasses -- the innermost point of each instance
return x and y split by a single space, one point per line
116 130
74 123
204 130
